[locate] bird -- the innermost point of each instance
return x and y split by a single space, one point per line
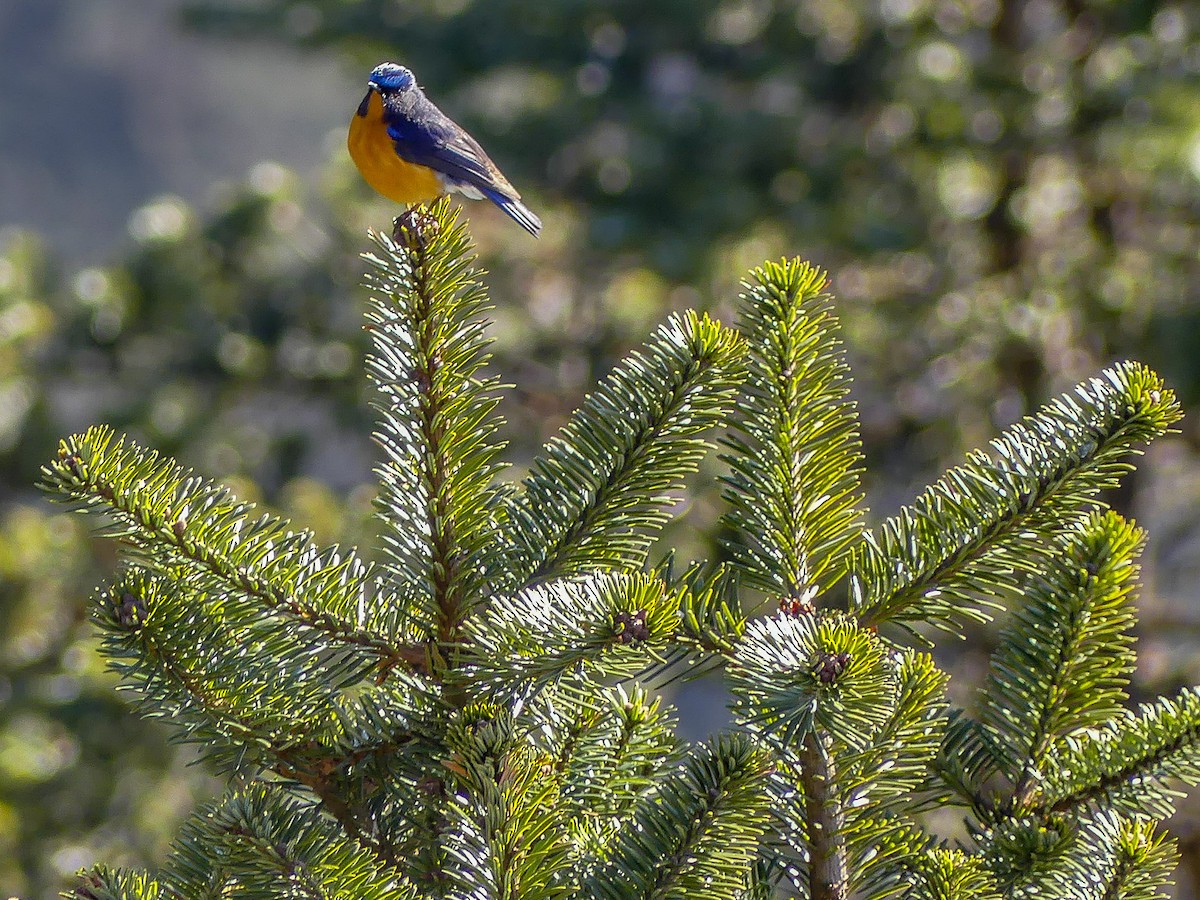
411 152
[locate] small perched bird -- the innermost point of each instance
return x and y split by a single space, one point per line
410 151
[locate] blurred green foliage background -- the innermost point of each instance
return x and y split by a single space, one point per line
1006 193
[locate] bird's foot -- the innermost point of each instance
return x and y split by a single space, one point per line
415 229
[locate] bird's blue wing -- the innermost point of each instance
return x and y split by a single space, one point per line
427 137
439 144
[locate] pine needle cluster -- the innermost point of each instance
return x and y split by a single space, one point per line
474 713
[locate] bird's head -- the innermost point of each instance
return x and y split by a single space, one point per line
390 78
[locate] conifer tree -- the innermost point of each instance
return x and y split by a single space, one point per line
474 714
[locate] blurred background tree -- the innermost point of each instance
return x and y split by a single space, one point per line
1008 194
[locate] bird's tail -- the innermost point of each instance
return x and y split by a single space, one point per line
516 210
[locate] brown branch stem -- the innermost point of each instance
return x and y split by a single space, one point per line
827 879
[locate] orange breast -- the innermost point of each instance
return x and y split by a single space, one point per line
375 155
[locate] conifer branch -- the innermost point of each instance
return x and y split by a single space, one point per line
438 500
289 717
793 487
571 632
608 755
174 520
1064 662
884 852
513 841
1128 764
148 640
1145 860
966 760
711 619
794 674
405 798
599 492
882 776
103 883
1098 854
264 842
611 754
978 531
762 879
797 680
944 874
1032 858
697 835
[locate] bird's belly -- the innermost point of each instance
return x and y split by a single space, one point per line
375 155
